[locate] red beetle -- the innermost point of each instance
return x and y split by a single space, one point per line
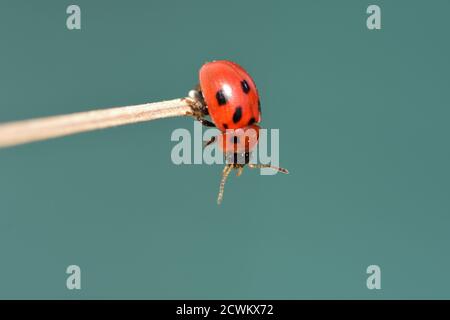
229 96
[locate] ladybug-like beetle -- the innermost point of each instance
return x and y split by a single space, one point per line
228 94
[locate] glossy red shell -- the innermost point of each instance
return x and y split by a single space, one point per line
230 95
239 140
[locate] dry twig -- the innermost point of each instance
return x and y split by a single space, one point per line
19 132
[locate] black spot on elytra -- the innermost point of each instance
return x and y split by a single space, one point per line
245 86
235 139
220 97
225 126
237 114
251 121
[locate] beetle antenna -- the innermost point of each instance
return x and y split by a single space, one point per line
259 166
225 173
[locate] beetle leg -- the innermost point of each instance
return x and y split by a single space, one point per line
206 123
212 140
259 166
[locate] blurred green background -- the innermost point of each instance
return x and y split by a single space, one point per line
364 129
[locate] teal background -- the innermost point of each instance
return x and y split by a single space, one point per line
364 129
